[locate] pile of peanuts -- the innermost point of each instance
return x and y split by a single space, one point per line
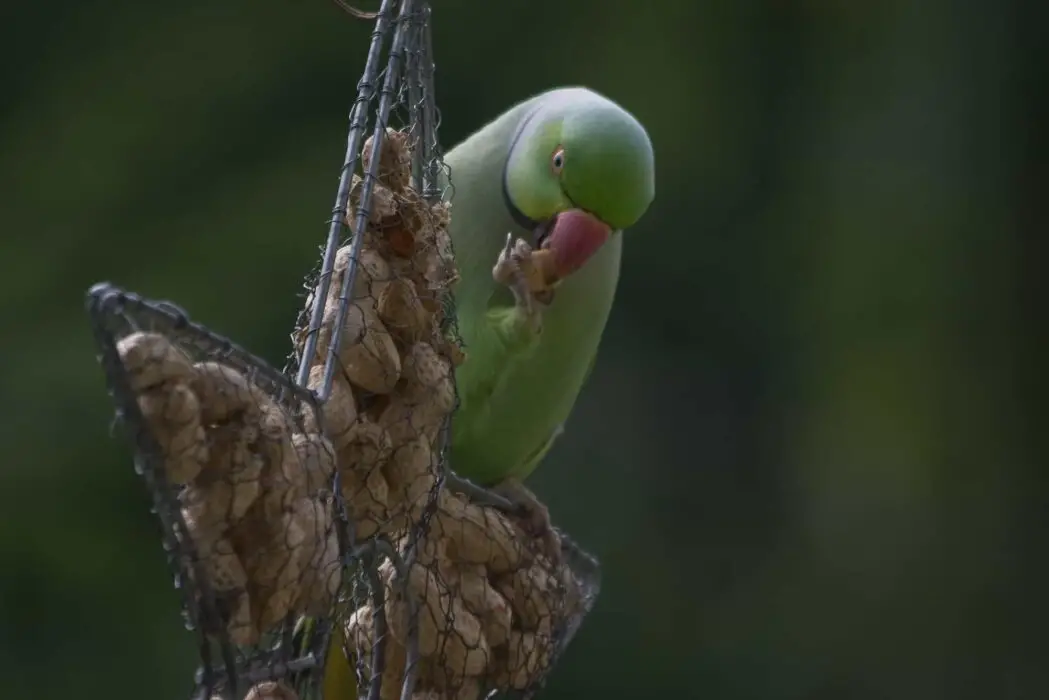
394 385
254 496
487 606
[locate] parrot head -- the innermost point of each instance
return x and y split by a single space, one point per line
580 169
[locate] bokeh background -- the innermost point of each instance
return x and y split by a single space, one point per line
809 456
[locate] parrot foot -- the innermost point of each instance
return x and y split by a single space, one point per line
513 269
535 515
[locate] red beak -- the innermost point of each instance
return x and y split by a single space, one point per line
573 238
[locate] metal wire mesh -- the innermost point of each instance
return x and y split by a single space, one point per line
240 484
457 602
349 515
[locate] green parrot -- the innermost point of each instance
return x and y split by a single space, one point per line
567 170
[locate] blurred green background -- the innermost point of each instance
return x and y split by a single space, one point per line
809 456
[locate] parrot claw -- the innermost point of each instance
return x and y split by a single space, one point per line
511 269
535 515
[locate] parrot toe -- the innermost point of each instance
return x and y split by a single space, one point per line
514 269
535 517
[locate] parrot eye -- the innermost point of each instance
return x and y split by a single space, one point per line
557 161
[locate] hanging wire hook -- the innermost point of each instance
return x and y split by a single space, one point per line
350 9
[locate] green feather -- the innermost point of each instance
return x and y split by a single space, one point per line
517 388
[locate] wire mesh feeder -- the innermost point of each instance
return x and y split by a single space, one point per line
450 598
302 514
240 483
